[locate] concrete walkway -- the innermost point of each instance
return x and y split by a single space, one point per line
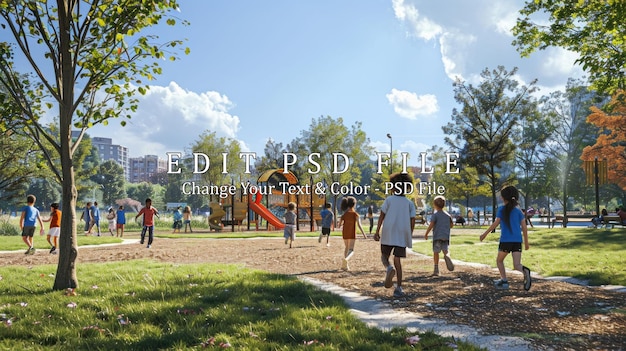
380 315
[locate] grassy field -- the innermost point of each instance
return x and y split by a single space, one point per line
157 306
597 255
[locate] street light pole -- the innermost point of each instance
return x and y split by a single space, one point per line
391 153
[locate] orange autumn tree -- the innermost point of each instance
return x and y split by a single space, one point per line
611 142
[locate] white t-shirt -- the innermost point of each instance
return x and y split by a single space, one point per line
396 229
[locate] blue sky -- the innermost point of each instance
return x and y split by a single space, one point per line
265 69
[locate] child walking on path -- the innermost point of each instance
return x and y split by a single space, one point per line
440 224
290 224
187 218
148 213
512 223
28 221
350 220
327 222
55 227
120 218
178 220
112 222
398 215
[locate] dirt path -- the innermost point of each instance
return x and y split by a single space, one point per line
552 314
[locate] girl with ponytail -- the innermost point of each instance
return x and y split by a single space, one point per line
513 232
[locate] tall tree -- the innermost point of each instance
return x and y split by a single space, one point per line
568 111
534 131
272 157
87 59
327 136
483 131
593 29
110 176
611 141
218 149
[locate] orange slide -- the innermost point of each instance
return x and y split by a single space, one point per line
258 207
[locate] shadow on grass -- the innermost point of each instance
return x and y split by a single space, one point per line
144 305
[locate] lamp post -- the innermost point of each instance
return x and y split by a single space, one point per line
391 153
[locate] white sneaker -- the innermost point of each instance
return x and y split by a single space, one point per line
344 265
350 254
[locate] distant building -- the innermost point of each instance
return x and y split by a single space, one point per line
143 169
109 151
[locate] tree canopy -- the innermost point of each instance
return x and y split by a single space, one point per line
596 30
484 129
611 142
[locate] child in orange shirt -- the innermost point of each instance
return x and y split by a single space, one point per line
55 227
350 220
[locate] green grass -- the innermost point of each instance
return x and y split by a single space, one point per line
597 255
144 305
10 243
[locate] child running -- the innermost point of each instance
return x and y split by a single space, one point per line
55 227
349 221
440 224
28 222
398 215
148 213
290 224
512 230
327 222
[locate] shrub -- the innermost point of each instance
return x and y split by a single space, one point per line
8 229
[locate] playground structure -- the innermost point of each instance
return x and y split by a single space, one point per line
236 209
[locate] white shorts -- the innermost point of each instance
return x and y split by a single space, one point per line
54 231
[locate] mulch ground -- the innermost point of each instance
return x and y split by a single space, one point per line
553 315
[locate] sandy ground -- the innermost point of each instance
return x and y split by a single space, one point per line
552 315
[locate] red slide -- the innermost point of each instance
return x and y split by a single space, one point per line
258 207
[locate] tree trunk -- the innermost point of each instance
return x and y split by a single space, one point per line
68 250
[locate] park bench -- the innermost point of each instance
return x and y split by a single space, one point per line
556 219
610 221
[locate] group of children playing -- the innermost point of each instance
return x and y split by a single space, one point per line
394 230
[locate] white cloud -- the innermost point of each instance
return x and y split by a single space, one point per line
421 26
476 35
560 62
414 149
410 105
170 118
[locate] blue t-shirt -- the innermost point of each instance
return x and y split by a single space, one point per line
30 216
327 218
178 216
95 212
511 233
121 217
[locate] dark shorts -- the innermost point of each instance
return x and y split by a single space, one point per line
28 231
177 224
397 251
510 247
325 231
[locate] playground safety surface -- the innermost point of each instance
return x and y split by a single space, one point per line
553 315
